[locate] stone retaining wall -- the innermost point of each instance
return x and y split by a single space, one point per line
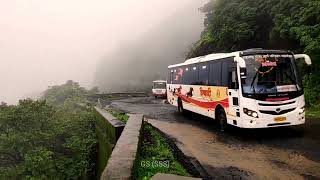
120 164
108 130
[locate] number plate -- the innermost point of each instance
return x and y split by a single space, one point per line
279 119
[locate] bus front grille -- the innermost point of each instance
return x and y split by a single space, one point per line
263 104
277 113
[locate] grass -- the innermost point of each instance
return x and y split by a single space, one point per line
155 156
313 112
119 115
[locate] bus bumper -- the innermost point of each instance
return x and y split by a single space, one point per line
159 95
268 121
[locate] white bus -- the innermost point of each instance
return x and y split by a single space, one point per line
159 88
254 88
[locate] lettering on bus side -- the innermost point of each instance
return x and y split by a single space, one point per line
206 93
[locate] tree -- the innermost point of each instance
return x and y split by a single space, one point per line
233 25
57 95
41 141
94 90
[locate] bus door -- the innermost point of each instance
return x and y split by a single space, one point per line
233 93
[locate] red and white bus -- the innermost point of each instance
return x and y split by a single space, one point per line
159 88
254 88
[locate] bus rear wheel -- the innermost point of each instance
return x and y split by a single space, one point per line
222 119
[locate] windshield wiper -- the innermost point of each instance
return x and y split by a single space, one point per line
252 83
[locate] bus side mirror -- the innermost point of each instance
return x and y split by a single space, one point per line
306 58
243 73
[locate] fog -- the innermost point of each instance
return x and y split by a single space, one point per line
46 42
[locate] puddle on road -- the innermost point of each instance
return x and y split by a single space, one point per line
228 173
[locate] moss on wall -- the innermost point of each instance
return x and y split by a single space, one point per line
107 138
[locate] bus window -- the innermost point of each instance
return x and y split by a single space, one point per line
190 75
233 80
169 78
203 74
226 65
194 75
177 75
215 74
224 74
187 76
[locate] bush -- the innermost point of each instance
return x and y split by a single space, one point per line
312 91
40 141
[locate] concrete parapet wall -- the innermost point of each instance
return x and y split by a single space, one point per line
108 130
115 124
120 164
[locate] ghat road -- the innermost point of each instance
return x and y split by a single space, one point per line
274 153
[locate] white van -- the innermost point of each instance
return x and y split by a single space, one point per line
159 88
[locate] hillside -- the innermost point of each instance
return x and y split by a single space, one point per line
232 25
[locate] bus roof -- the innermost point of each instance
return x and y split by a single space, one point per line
263 51
218 56
159 81
210 57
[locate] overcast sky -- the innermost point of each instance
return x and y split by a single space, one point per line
46 42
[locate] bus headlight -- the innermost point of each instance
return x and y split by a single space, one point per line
250 113
302 110
254 114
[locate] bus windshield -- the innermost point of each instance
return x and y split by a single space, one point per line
159 85
269 74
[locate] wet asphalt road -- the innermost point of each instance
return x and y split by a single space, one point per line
273 153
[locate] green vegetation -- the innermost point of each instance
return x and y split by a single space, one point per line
312 94
155 156
59 94
232 25
119 115
313 112
48 140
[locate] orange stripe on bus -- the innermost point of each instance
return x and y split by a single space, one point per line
207 105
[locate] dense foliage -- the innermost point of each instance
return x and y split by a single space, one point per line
40 141
232 25
57 95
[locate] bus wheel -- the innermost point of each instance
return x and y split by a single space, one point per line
221 117
156 97
180 106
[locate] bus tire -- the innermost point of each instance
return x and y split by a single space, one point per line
180 106
156 97
222 119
